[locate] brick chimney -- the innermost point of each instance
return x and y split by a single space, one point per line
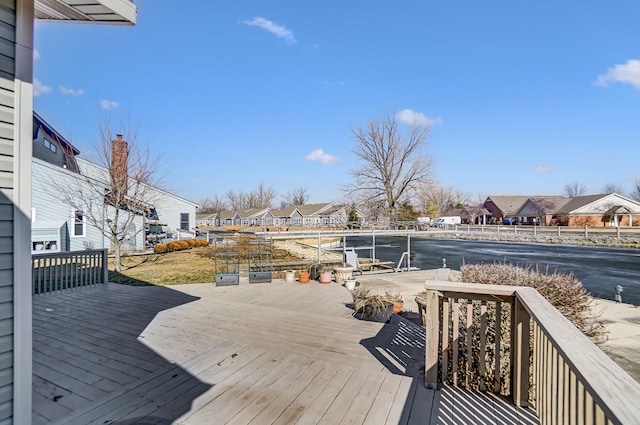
119 158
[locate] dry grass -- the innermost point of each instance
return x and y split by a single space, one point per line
172 268
193 265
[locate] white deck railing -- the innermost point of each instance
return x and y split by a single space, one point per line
554 368
63 270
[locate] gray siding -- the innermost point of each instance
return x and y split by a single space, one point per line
46 154
7 120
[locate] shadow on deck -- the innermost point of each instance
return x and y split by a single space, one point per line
86 350
279 353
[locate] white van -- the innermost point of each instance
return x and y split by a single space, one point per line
444 221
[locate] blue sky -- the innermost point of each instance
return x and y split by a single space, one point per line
522 97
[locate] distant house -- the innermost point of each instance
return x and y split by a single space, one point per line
541 210
592 210
253 216
309 215
600 210
206 220
289 216
501 207
59 227
228 218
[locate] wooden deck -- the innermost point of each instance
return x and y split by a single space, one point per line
278 353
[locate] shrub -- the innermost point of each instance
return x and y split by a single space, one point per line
564 291
180 245
191 243
160 248
173 246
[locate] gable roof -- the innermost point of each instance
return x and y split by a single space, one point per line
508 205
579 202
548 204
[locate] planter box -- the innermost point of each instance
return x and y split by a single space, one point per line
375 313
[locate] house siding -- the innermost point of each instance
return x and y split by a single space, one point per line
7 141
40 151
169 207
48 208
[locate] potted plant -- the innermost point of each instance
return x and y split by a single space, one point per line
303 276
349 283
342 272
396 300
371 306
326 273
289 275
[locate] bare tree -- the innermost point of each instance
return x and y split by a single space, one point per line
436 199
574 189
612 188
216 204
393 162
298 196
635 192
261 197
115 193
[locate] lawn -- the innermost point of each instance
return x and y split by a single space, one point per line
194 265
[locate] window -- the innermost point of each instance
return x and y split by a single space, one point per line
79 223
184 221
50 146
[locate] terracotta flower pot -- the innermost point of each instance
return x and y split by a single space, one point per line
304 277
397 307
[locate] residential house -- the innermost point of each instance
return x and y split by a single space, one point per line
592 210
289 216
57 226
16 136
253 216
206 219
501 207
600 210
541 211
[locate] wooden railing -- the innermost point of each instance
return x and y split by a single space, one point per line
63 270
553 367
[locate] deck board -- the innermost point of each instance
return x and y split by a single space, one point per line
279 353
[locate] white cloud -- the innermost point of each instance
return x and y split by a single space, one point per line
408 116
542 169
36 55
273 28
71 92
628 73
39 88
319 155
109 105
334 83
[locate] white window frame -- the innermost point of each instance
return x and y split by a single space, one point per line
74 216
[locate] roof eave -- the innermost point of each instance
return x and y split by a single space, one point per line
112 12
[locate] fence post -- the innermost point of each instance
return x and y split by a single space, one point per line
520 323
105 268
432 339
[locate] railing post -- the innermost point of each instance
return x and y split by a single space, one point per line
432 339
520 323
105 268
